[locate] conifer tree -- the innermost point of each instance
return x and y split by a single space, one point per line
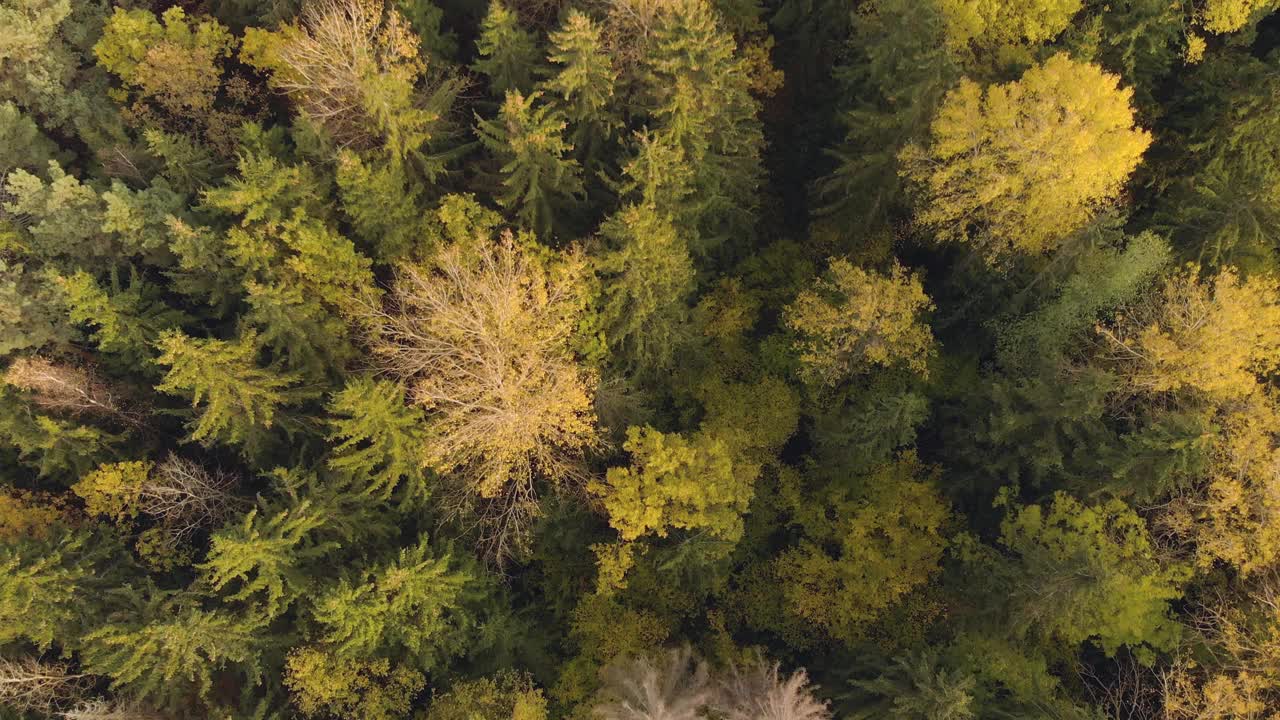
49 587
168 650
378 439
262 557
647 276
233 397
583 83
698 98
539 176
508 52
413 605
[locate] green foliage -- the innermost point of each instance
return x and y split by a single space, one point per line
646 278
539 177
129 320
234 398
699 103
262 558
378 439
1090 572
584 83
168 648
47 588
508 52
412 605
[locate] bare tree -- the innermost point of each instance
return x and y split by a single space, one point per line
68 389
761 692
187 497
483 340
675 686
102 709
28 684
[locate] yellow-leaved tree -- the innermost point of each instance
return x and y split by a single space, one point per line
483 338
1021 165
1200 347
1214 336
1005 22
854 319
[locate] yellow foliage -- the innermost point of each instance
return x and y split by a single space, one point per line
1212 337
24 515
1004 22
325 684
675 483
856 319
113 490
1226 16
484 340
1023 164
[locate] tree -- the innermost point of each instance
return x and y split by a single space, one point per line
129 320
483 340
1022 165
168 647
1005 22
411 606
675 483
584 83
539 178
674 686
856 319
235 397
376 436
65 388
507 696
49 588
759 691
1091 572
1214 336
113 489
263 557
323 684
915 688
698 99
31 685
646 279
508 52
890 541
352 67
186 497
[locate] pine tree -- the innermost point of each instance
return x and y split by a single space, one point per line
263 557
539 178
508 52
381 205
49 588
698 97
378 439
167 647
130 319
583 82
413 605
233 396
647 277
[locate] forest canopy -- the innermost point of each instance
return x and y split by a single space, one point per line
639 359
